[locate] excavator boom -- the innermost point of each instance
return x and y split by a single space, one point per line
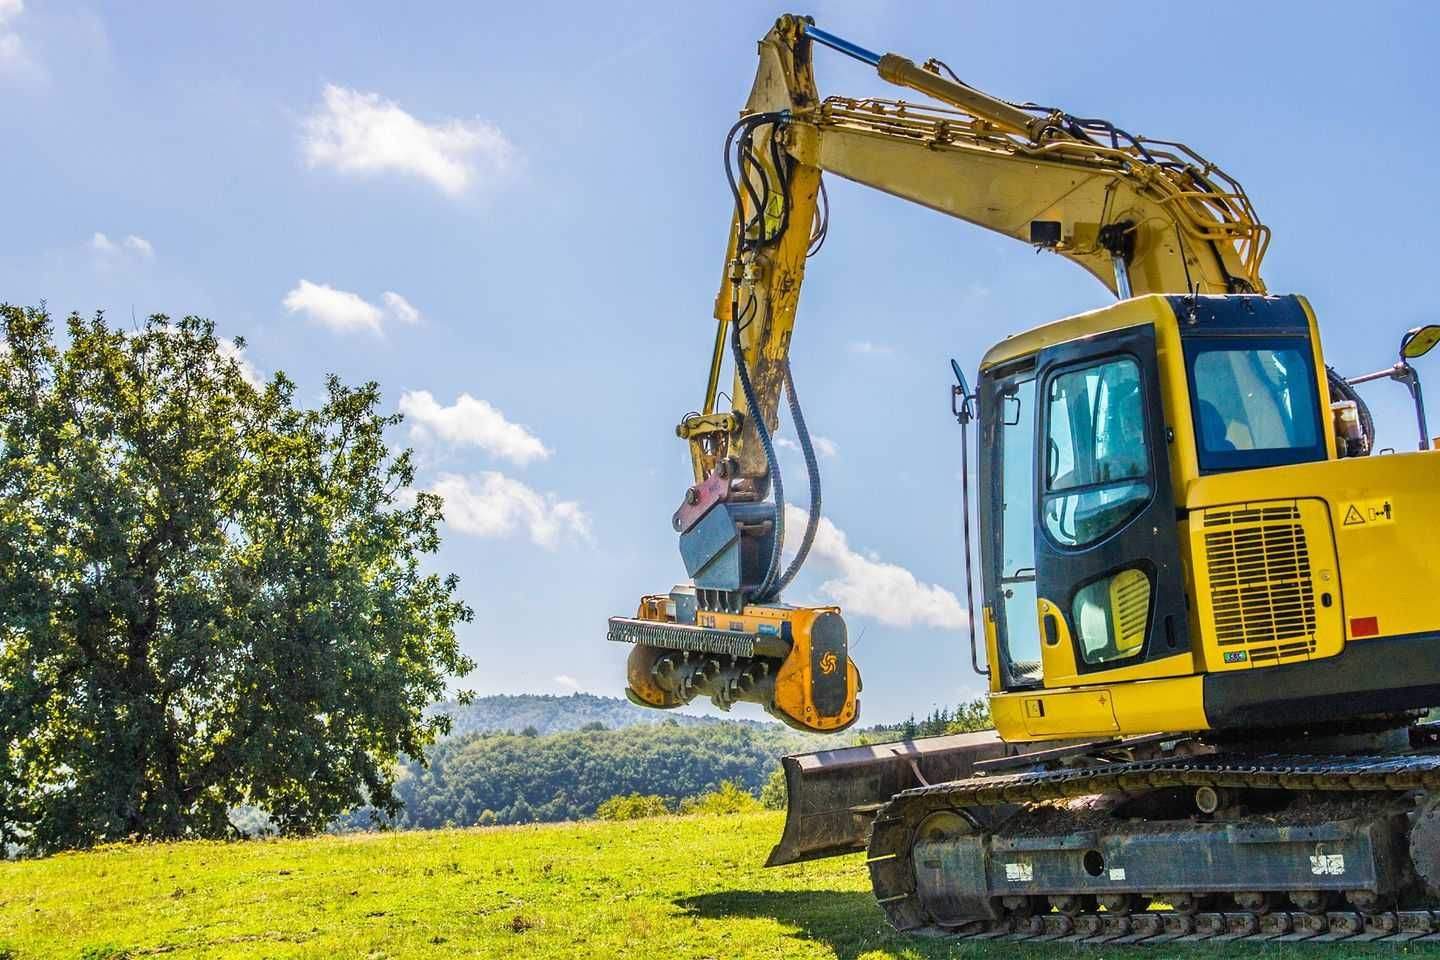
1141 215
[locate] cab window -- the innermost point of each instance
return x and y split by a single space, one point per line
1096 459
1254 402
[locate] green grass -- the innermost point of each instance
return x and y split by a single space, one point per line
673 888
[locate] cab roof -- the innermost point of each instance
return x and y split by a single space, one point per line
1136 311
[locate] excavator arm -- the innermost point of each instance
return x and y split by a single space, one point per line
1142 216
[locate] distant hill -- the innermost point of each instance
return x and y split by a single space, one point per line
517 778
520 758
551 714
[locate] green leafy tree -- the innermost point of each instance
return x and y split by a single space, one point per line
729 798
209 596
634 806
774 795
970 717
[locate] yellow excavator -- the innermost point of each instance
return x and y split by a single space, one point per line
1208 606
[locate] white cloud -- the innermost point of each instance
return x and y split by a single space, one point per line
14 57
566 681
869 586
470 423
363 133
492 505
400 308
340 310
231 351
105 247
870 347
346 312
824 446
139 245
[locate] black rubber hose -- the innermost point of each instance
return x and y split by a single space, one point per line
747 125
767 444
812 467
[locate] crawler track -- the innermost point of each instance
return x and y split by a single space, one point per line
893 835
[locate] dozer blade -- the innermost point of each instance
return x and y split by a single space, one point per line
834 794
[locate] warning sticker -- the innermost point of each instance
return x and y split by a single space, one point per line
1019 872
1117 873
1368 513
1328 865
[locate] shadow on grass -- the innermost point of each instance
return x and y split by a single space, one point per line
849 923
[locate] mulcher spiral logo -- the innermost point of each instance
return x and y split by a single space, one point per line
828 663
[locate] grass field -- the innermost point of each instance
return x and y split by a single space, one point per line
675 888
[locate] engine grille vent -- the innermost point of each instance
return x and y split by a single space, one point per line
1260 585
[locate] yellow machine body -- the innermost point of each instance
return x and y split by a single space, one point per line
1366 580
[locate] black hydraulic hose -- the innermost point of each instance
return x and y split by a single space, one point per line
772 463
812 467
782 170
745 127
743 152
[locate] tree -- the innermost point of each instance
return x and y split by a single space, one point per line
970 717
730 797
634 806
209 596
774 795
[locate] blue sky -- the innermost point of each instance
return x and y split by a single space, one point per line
523 204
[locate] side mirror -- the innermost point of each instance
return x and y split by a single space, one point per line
960 396
965 387
1417 342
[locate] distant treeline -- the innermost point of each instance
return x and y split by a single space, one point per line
543 759
513 778
544 713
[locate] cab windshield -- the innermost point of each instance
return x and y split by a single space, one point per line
1254 402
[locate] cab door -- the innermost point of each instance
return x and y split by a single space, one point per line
1109 583
1008 418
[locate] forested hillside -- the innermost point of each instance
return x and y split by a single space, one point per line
509 778
551 714
532 758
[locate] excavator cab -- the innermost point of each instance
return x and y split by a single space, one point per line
1092 430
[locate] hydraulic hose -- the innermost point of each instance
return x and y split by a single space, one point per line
772 583
812 467
772 463
737 179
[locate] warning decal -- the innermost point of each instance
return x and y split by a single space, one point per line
1367 513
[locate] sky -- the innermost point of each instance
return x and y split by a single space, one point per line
513 217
